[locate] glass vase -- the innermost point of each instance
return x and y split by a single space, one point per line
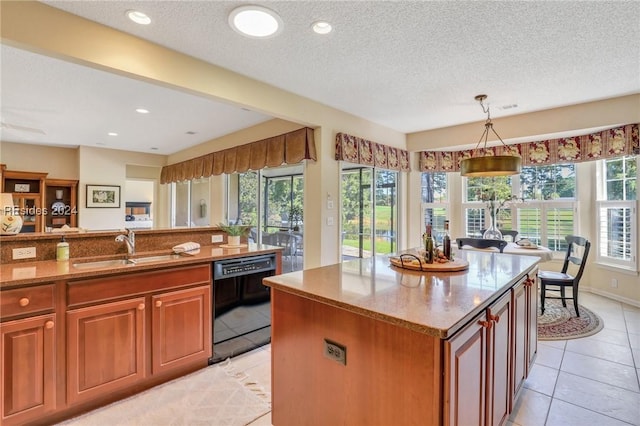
492 232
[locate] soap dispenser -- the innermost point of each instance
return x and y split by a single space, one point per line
62 250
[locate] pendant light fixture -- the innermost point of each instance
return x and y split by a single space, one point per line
489 165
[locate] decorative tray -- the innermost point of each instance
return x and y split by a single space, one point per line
410 261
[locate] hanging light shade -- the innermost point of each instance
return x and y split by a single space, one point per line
489 165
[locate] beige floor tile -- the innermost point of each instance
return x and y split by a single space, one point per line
542 379
549 356
634 341
565 414
616 337
607 351
262 421
615 324
558 344
604 371
261 373
251 359
530 409
608 400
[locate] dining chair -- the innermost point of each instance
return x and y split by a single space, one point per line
481 243
512 233
289 241
577 252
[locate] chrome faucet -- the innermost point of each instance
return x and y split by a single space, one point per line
130 240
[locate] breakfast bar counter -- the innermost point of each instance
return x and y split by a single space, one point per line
364 342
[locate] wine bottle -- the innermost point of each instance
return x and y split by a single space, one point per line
428 246
446 241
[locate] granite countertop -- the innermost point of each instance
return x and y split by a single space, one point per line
37 272
434 303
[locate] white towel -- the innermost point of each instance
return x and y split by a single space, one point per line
185 247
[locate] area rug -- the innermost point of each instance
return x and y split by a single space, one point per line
560 323
217 395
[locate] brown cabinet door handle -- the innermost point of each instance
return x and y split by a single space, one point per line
141 307
158 303
485 324
48 325
495 318
24 301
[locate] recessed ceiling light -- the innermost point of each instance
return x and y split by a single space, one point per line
112 134
142 110
138 17
255 21
322 27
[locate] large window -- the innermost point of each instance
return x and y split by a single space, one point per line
617 212
435 202
369 211
540 204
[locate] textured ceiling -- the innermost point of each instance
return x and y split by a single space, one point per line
410 66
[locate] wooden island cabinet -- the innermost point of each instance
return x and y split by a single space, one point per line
366 343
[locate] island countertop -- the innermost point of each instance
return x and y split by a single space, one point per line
433 303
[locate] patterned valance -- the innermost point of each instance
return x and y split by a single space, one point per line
361 151
616 142
289 148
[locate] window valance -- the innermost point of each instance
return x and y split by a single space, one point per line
361 151
289 148
615 142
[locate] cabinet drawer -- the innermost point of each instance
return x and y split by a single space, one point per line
133 284
27 300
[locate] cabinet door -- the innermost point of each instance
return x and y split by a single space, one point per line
181 328
27 368
465 375
520 330
105 348
499 361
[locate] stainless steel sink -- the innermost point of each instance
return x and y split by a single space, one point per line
102 264
158 258
110 263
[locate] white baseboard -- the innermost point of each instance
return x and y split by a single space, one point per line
612 296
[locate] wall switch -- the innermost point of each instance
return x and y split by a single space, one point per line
335 351
330 221
217 238
24 253
614 282
329 204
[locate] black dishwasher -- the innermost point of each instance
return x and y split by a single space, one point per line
241 305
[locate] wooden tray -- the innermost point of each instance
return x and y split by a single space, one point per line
415 264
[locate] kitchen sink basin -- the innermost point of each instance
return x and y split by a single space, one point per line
110 263
158 258
102 264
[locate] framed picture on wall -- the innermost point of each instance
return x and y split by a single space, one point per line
103 196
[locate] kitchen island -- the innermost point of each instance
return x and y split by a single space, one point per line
367 343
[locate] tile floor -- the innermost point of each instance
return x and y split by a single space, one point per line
590 381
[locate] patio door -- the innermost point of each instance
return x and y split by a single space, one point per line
369 212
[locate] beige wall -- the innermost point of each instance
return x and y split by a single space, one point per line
60 163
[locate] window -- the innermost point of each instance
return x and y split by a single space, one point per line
545 214
189 201
435 202
475 204
617 212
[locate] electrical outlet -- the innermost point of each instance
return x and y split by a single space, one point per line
216 238
24 253
330 221
335 351
614 282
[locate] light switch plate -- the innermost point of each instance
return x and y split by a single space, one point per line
216 238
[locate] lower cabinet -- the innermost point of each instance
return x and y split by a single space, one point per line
489 359
105 348
27 368
181 328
